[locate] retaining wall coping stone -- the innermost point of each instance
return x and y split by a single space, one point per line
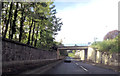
11 63
19 43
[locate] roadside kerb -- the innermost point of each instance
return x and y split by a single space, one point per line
42 69
113 68
16 67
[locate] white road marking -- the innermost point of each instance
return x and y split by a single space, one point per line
76 63
93 64
83 68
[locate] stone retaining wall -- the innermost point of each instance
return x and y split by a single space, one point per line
15 51
17 67
96 56
103 57
18 57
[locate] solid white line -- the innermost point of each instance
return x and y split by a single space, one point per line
93 64
83 68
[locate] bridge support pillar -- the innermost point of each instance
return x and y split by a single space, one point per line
85 54
58 53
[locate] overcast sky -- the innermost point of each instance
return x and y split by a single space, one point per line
85 19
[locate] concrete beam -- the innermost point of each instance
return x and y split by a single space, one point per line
73 48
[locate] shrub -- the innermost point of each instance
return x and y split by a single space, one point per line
111 45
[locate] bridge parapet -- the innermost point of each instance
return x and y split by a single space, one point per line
85 48
73 47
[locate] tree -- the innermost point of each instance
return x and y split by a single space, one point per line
7 21
111 34
22 21
111 45
14 24
32 23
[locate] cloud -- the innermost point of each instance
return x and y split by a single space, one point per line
84 22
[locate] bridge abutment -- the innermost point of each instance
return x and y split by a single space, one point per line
58 53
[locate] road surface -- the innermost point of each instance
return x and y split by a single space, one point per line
77 67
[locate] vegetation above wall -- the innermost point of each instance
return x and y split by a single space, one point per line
110 45
31 23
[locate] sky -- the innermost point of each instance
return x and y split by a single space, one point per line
85 20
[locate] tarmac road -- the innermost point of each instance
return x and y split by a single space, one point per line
77 67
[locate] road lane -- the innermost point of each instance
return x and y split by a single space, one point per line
66 68
76 67
92 69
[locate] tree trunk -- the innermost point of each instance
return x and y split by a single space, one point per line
41 36
11 5
10 31
35 42
1 5
30 33
14 25
36 37
33 34
21 25
5 21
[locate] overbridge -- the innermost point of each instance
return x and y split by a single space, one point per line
85 48
72 47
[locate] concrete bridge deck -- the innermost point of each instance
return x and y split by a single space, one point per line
72 47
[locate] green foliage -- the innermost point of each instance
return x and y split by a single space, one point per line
71 55
34 23
111 45
73 51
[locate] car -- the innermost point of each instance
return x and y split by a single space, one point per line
67 60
